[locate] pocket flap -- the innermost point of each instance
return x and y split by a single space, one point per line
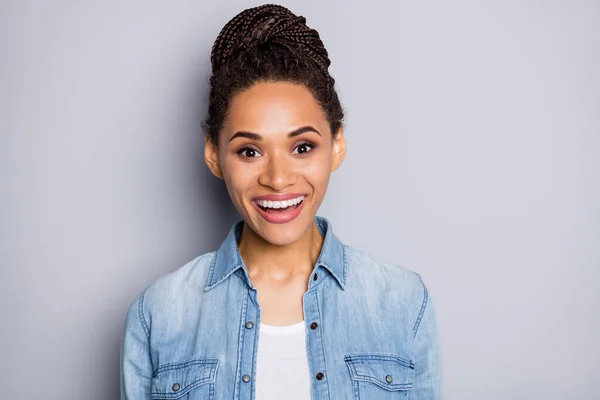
388 372
173 381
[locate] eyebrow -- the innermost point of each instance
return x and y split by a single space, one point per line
256 136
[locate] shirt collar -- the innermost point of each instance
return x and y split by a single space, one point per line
228 260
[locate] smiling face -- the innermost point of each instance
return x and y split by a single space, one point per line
276 153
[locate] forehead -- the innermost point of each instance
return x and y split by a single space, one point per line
274 107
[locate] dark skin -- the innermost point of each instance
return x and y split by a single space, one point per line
276 139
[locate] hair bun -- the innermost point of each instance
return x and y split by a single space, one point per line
267 23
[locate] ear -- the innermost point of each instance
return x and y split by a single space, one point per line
211 157
338 149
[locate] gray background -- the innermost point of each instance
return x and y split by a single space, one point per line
474 158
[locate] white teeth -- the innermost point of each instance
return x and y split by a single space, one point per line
279 204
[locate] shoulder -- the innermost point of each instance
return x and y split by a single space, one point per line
173 290
363 264
386 281
191 275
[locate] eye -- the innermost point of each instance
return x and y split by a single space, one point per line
303 148
248 152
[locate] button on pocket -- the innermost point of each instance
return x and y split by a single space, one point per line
379 376
192 379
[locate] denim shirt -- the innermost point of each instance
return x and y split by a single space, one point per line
370 330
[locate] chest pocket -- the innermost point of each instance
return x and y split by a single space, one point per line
380 377
193 380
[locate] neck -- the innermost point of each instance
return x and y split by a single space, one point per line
266 261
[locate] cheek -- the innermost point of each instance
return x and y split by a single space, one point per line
317 173
238 179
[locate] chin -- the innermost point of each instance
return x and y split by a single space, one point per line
279 239
283 234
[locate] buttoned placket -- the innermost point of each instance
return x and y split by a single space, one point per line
247 345
249 336
314 337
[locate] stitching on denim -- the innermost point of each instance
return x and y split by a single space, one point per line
363 358
211 391
186 390
422 311
340 280
141 314
350 365
254 346
309 350
385 385
227 275
210 362
239 273
366 358
345 264
353 360
320 333
240 348
212 385
211 271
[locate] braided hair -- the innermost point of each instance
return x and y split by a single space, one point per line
268 43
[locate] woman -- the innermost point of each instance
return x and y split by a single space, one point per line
283 309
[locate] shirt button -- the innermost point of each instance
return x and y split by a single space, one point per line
320 376
249 325
246 378
176 387
389 379
315 277
314 326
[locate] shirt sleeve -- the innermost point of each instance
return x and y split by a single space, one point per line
136 364
427 384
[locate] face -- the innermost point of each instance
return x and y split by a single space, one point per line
276 153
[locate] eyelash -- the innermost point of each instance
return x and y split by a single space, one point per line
244 149
305 144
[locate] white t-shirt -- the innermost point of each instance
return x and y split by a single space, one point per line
282 363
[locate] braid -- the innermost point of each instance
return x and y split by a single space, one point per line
257 25
268 42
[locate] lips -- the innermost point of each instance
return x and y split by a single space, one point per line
279 209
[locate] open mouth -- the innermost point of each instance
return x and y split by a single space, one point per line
279 207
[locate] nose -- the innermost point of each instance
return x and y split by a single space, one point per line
277 173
